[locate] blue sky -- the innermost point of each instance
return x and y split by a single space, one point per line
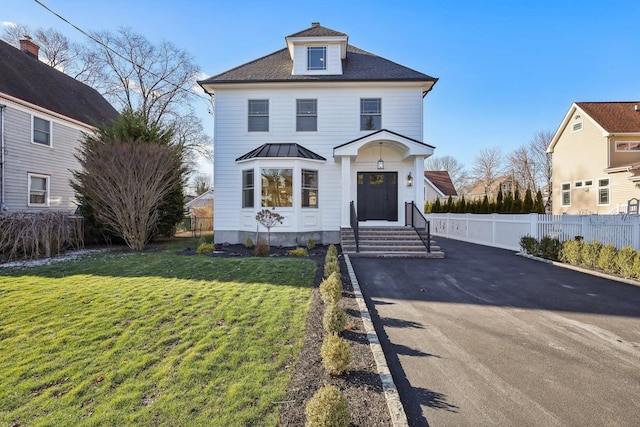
506 69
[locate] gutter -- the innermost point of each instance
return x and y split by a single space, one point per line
3 207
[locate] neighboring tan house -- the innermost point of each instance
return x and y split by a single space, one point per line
478 191
43 116
311 128
596 158
438 185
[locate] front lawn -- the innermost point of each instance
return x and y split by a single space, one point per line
151 339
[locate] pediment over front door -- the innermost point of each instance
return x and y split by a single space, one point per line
408 146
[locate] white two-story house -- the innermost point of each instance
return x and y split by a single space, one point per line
44 115
309 129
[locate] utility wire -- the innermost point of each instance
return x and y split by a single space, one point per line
109 48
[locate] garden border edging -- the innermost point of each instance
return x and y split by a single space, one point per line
581 269
396 410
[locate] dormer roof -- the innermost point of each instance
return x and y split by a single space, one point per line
318 34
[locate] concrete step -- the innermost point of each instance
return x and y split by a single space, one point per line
388 242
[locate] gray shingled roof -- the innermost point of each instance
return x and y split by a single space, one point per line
318 31
282 151
26 78
359 65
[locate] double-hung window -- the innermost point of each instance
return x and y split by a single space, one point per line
370 114
258 115
309 188
603 191
41 131
306 115
316 58
566 194
247 188
38 190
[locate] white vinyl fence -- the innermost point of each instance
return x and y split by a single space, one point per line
505 230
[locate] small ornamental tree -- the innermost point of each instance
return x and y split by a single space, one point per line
268 220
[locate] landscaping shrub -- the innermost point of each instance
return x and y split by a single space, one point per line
336 354
624 261
529 245
590 253
549 248
299 252
261 249
607 257
205 248
331 288
331 267
311 243
636 266
334 319
327 408
332 251
571 251
248 243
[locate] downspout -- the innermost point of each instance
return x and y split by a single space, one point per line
3 207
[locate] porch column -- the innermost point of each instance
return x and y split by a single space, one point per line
346 191
418 182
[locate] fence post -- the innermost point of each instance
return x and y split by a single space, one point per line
534 226
636 232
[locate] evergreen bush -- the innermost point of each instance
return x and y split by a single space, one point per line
334 319
336 354
606 258
636 266
327 408
311 243
330 267
549 248
571 251
248 243
624 261
261 249
205 248
299 252
590 254
331 288
529 245
332 252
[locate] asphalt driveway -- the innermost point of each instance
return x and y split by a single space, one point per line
484 337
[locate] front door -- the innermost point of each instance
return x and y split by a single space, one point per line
378 196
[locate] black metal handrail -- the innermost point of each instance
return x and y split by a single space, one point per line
416 219
354 224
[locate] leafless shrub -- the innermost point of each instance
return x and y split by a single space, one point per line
42 234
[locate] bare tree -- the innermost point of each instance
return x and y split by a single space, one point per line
538 148
126 182
457 172
55 48
488 166
201 183
524 168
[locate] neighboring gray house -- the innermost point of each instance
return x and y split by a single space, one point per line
311 128
43 115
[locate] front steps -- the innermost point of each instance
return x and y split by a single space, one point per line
387 242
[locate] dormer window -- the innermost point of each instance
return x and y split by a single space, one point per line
316 58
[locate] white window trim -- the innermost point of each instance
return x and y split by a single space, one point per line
615 144
50 145
326 54
268 115
562 194
608 187
585 183
307 115
252 169
47 190
317 206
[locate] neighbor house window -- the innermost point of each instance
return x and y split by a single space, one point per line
316 58
309 189
306 115
370 114
38 190
41 131
603 191
566 194
627 146
247 188
258 115
277 188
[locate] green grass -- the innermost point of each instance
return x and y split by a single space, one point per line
151 339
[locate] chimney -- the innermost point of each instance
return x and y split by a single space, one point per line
315 24
29 47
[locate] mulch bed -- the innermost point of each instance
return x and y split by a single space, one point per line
361 386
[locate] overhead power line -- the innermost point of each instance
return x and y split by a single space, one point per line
110 49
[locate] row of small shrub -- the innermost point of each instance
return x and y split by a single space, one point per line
593 255
328 407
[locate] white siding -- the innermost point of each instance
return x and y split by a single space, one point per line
23 157
338 123
334 62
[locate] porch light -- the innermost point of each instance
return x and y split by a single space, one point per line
381 162
409 180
